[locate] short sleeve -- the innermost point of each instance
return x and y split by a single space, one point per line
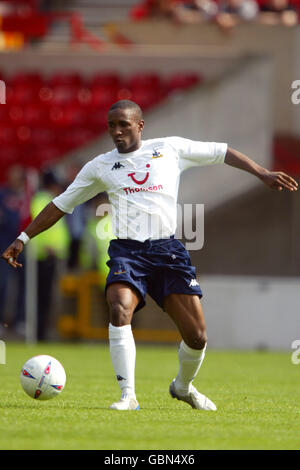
195 153
85 186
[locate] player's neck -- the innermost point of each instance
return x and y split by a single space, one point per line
133 148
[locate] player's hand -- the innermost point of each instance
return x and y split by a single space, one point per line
11 254
279 181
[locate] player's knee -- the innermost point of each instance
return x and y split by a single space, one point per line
120 314
198 341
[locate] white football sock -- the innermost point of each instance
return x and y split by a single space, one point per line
190 361
123 352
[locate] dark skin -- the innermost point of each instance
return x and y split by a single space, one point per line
125 128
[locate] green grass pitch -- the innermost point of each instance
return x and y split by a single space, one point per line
257 394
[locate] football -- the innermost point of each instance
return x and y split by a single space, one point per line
43 377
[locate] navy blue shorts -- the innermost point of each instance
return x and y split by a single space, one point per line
157 267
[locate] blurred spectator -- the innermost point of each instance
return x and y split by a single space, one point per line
153 9
76 224
6 9
278 12
11 213
96 238
227 13
195 11
50 246
233 12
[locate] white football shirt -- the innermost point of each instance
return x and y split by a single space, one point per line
142 185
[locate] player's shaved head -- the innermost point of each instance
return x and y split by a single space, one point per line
128 105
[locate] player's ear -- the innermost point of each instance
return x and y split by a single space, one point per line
141 125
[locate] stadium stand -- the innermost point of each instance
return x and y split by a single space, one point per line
46 117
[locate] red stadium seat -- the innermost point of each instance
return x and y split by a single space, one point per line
21 94
74 138
24 134
65 79
64 94
75 116
37 157
4 114
106 79
9 155
63 117
35 115
97 120
33 79
45 95
42 136
16 115
7 135
103 96
28 115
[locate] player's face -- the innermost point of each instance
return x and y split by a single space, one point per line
125 129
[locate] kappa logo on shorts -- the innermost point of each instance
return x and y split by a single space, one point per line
193 283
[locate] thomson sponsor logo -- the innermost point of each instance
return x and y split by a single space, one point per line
2 92
136 190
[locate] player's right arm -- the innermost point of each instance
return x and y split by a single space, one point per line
44 220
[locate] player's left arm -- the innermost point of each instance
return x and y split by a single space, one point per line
274 179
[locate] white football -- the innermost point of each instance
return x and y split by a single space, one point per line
43 377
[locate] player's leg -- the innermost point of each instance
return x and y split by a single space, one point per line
122 301
186 312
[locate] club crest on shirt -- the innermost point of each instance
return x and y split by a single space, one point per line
157 154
